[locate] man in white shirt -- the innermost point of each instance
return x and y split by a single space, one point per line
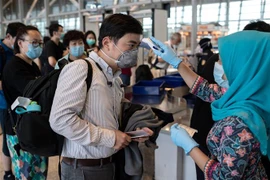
89 120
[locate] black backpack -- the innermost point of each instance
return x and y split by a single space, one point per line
33 129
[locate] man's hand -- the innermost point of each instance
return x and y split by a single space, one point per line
149 131
121 140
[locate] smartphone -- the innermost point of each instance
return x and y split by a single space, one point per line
151 44
137 134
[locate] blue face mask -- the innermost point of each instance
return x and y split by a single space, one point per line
90 42
33 52
76 51
218 73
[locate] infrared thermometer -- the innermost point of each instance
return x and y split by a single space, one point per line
152 45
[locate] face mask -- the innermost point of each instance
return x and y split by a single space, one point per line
62 36
76 51
128 58
90 42
33 52
218 73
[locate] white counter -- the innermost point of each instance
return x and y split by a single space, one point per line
171 163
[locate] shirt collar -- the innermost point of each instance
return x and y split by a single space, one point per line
105 67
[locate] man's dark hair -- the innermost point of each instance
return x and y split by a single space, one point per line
73 35
54 27
23 31
13 28
90 32
258 26
117 25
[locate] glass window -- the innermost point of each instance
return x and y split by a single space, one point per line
223 12
187 15
10 10
69 22
64 6
233 27
40 24
147 27
210 12
234 10
33 9
251 10
266 10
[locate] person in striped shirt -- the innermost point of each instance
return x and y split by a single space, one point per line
89 120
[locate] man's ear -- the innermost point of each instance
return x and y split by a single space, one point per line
106 42
8 36
54 32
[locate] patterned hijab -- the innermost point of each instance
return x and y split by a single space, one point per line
245 57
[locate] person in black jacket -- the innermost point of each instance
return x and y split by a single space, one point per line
203 53
16 75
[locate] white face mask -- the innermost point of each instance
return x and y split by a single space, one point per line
218 73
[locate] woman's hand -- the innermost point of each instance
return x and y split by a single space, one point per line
181 138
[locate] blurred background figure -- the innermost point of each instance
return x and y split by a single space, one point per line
203 53
91 41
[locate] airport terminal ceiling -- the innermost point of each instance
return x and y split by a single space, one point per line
72 13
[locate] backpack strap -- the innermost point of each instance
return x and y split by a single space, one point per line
89 75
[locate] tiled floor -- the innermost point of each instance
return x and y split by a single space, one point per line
53 166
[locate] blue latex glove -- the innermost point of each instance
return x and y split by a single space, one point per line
181 138
168 54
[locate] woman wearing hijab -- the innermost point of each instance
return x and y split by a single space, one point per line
242 114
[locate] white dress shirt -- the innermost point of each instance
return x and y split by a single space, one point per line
87 120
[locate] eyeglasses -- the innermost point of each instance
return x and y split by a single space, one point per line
35 43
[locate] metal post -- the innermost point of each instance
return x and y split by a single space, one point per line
240 13
81 19
262 8
183 11
194 26
1 19
21 11
175 18
47 12
227 13
219 9
200 12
